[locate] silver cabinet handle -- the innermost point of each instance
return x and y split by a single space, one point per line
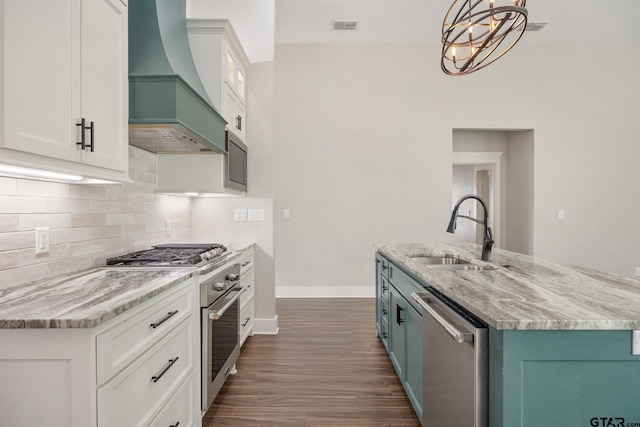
458 336
215 315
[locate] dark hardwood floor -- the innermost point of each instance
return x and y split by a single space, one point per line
326 367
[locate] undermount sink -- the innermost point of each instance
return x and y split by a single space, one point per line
454 267
439 260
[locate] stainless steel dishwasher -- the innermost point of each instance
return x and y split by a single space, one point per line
455 364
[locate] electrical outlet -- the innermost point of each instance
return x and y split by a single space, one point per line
42 240
637 271
168 228
560 214
287 213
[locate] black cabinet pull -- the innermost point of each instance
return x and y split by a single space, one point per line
91 127
399 311
384 267
244 264
175 425
157 377
239 122
83 127
246 321
164 319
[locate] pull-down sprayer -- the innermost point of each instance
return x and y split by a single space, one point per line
487 236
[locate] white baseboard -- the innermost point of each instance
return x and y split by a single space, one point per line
266 326
325 292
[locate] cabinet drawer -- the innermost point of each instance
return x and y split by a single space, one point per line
384 267
134 397
180 409
246 321
403 282
384 331
384 290
120 345
248 294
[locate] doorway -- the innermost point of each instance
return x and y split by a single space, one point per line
498 166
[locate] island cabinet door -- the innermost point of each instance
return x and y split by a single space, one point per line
563 378
396 330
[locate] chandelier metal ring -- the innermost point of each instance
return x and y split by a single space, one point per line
476 34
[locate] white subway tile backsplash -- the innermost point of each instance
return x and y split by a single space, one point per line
88 247
106 206
21 275
88 220
8 186
88 223
91 192
68 235
8 222
29 257
53 220
28 187
106 231
9 259
18 240
68 265
19 204
67 205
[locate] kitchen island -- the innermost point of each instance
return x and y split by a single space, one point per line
560 336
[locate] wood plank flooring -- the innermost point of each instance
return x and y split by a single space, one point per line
326 367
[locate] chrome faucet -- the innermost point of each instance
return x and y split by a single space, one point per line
487 236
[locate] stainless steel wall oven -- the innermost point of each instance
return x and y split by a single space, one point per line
220 339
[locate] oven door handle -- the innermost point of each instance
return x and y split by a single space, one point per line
215 315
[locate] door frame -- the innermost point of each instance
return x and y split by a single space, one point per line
493 159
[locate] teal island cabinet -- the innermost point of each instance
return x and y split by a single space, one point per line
561 350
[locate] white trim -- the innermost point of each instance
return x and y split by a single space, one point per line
487 158
325 292
266 326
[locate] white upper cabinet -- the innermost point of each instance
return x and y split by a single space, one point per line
222 65
65 61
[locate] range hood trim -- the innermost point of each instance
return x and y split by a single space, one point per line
169 101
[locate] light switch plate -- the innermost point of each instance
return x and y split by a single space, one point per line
240 215
255 214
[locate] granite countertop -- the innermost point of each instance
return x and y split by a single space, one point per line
85 299
524 292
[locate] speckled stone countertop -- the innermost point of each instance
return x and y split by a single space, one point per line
85 299
524 292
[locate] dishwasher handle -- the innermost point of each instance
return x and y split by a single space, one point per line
459 337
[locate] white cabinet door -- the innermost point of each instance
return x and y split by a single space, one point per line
66 60
104 81
42 77
233 112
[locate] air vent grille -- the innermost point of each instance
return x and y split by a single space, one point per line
345 25
535 26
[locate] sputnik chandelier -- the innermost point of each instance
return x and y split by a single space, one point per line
475 33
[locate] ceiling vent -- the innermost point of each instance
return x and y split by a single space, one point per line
345 25
535 26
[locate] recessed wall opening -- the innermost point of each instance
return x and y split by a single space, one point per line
496 165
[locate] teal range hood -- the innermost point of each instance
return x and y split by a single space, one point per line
169 110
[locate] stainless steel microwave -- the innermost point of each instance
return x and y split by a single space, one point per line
235 176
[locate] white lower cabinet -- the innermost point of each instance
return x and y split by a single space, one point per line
136 395
141 368
247 281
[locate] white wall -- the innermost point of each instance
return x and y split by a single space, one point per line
520 193
363 142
